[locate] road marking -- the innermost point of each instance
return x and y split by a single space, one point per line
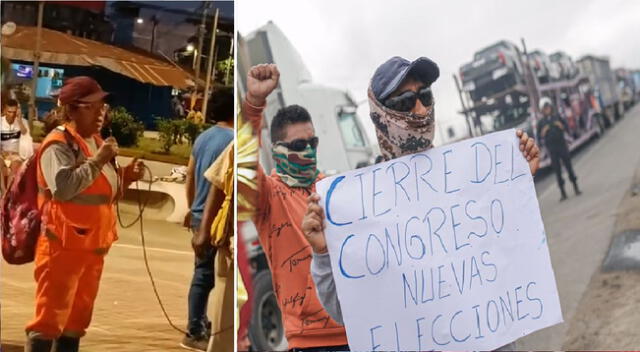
131 246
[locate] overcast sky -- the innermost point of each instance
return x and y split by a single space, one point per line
343 42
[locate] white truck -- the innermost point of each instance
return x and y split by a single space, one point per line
603 80
343 146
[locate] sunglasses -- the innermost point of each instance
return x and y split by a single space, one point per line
407 100
299 145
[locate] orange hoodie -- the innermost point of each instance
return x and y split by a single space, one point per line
278 218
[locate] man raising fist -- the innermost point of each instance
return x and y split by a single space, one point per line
280 204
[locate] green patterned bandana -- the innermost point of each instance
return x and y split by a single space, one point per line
296 169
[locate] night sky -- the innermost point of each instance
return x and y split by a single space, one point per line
226 7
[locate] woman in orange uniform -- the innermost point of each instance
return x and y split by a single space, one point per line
78 183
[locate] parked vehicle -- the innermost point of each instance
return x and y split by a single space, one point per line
564 64
602 78
626 87
635 76
510 104
542 67
493 70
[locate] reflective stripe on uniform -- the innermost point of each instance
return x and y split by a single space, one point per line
81 199
102 251
90 199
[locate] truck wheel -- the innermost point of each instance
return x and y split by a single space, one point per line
267 330
598 120
607 119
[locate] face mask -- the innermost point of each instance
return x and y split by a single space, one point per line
401 133
296 169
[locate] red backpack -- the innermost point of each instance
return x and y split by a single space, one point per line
20 217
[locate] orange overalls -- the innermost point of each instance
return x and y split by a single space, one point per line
76 234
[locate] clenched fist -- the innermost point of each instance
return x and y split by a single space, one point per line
134 171
261 81
313 225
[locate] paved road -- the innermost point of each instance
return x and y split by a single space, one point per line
579 230
127 316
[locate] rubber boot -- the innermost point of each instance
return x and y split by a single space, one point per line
563 194
37 345
208 331
575 188
66 344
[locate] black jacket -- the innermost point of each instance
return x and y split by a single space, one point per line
551 131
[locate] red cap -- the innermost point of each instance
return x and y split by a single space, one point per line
81 89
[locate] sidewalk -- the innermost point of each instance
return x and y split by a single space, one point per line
608 315
127 316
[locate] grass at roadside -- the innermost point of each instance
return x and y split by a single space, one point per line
148 148
151 149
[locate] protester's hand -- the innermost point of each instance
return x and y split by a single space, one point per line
530 150
135 170
261 81
313 225
232 247
21 124
187 220
108 150
200 242
19 117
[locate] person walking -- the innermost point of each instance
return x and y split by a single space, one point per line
207 148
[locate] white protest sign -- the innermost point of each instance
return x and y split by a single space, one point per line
441 250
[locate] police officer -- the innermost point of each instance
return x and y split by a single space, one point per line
551 131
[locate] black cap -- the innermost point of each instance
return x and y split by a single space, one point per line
390 74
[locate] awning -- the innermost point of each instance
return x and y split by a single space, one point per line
66 49
94 6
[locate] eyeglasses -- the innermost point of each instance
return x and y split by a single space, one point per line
407 100
96 106
298 145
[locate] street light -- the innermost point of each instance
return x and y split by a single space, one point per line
190 48
139 20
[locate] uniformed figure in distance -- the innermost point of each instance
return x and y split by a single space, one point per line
551 130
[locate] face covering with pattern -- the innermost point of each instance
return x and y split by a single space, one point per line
401 133
296 169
